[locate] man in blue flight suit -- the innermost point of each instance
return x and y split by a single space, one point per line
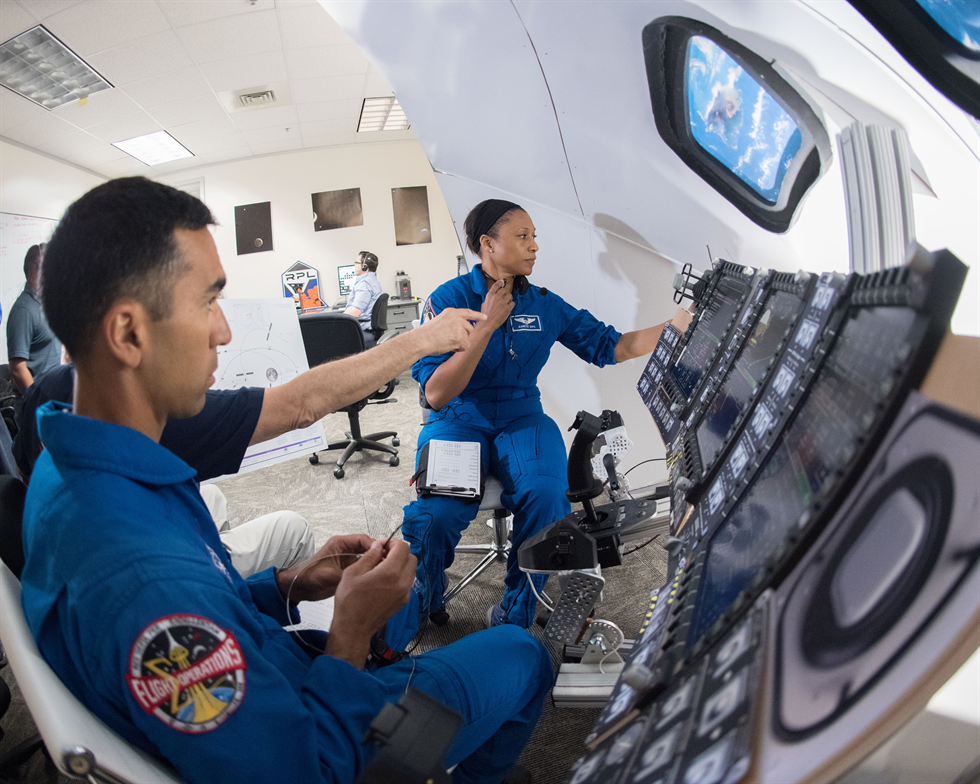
364 293
488 394
126 588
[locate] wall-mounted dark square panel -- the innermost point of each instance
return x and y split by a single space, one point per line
411 210
337 209
253 227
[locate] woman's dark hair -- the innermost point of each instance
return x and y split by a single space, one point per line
116 241
483 219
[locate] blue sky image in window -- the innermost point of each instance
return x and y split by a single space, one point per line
736 120
959 18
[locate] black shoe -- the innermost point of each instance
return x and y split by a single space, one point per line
440 617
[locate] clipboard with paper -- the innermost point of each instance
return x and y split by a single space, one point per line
450 468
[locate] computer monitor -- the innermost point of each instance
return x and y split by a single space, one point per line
345 276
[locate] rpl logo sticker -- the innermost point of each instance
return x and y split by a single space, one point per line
304 280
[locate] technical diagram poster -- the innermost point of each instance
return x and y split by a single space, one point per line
266 350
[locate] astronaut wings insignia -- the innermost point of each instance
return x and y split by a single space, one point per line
525 323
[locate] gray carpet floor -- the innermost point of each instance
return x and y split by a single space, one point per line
370 499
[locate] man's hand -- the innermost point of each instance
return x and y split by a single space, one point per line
370 591
317 578
450 330
498 304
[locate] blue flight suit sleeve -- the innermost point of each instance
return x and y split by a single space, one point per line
588 337
270 714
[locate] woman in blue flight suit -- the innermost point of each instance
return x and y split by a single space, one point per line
489 394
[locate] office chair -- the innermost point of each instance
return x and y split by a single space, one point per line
80 745
9 400
328 336
77 741
379 320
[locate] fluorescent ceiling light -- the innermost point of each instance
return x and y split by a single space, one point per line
154 148
38 66
382 114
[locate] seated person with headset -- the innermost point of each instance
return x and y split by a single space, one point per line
364 292
131 598
213 442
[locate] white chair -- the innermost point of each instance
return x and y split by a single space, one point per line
79 743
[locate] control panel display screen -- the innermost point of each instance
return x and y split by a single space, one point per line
708 334
747 372
841 406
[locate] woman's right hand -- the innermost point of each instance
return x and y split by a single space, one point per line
498 304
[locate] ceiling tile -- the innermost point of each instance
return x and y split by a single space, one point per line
329 110
77 141
97 25
16 109
265 118
316 61
187 111
127 166
234 36
14 20
190 12
309 142
309 25
331 88
208 145
203 129
226 154
44 8
90 159
327 127
137 60
376 86
168 87
101 107
269 135
129 127
39 130
239 73
282 146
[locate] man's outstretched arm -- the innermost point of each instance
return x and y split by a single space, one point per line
333 385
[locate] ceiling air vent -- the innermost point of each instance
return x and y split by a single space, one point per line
260 98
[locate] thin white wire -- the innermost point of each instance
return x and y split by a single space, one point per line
540 598
289 591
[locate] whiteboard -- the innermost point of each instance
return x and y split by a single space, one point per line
266 350
17 234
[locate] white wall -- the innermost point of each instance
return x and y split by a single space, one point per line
288 180
38 186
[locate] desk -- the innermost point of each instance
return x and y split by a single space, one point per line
401 314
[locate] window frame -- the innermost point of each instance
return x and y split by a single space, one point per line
665 47
944 62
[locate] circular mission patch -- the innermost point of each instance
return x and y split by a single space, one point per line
187 672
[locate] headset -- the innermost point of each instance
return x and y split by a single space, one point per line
366 256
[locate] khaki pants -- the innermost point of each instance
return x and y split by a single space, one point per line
279 539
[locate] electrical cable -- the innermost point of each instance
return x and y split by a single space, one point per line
535 590
640 547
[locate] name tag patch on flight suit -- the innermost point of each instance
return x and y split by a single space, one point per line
187 672
525 323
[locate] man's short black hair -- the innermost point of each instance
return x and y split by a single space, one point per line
116 241
32 259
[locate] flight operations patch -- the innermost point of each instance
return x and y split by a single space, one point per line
187 672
